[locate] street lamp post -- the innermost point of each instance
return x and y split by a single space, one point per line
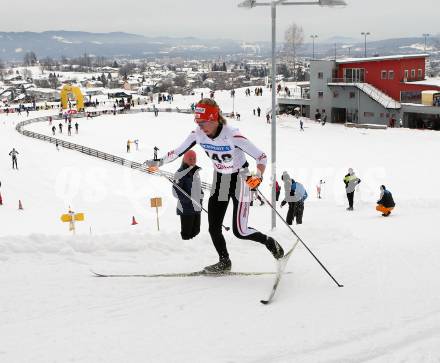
314 36
273 4
365 42
425 35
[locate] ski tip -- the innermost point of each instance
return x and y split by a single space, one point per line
96 274
264 302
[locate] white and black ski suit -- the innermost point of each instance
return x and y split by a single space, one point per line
226 149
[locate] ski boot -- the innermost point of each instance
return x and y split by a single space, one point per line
275 248
224 265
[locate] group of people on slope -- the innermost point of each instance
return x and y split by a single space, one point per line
226 146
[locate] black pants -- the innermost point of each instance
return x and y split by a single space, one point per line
224 188
189 225
14 163
350 197
278 195
296 210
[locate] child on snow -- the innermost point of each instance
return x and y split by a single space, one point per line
187 177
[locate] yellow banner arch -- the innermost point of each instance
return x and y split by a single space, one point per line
69 89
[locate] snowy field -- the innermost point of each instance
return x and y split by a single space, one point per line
54 310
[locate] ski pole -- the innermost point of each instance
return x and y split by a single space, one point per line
169 178
299 238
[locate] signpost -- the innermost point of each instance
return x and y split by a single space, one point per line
156 203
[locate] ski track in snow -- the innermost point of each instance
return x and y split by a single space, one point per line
51 304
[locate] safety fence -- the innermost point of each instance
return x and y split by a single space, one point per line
94 152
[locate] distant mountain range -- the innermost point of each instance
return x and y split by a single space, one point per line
13 46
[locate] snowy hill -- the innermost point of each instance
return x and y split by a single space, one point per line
53 306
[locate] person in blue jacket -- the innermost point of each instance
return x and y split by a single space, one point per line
295 197
187 177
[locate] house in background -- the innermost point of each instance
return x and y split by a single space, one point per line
372 90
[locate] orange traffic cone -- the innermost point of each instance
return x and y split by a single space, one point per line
133 221
1 200
20 206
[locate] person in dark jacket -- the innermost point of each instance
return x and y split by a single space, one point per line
13 154
386 202
350 181
187 177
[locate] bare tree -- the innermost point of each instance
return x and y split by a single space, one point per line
30 59
294 38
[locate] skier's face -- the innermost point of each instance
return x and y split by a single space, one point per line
208 127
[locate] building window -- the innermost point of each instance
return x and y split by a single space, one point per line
368 114
320 75
352 94
335 94
405 77
390 74
320 94
413 73
383 75
420 74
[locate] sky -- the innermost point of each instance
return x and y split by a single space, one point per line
223 19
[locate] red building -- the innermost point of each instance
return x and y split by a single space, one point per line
393 75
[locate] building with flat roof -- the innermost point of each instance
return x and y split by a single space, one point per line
375 90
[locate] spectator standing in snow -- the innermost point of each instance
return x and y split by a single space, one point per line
267 118
128 146
296 194
76 127
317 116
69 129
188 179
301 123
258 111
60 125
386 202
350 181
277 190
13 154
53 130
319 188
324 117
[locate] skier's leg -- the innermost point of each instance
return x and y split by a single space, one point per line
241 230
217 205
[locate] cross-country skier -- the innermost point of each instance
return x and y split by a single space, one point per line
188 178
226 147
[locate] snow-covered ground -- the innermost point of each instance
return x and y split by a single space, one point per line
54 310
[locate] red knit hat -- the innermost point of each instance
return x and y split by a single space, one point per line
206 112
189 154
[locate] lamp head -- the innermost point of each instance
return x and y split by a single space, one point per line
332 3
247 4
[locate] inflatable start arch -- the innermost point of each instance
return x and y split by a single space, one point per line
69 89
